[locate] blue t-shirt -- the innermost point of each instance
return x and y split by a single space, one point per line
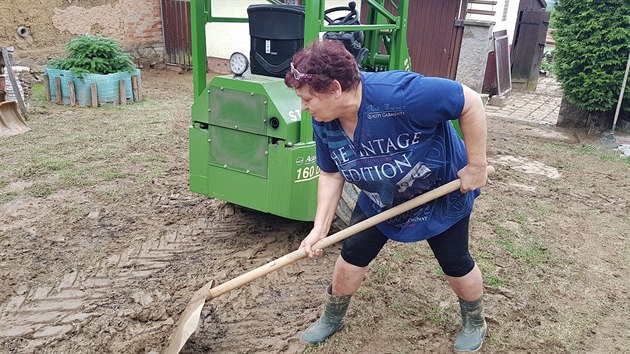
404 145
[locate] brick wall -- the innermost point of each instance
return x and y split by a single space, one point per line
144 26
143 32
136 24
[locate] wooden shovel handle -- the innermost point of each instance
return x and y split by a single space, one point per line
334 238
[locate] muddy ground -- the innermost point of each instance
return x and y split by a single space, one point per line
102 245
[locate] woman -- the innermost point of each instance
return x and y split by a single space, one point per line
389 133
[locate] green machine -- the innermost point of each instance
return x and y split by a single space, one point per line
249 142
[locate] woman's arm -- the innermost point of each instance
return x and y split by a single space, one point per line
329 188
473 125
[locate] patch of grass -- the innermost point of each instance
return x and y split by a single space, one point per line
438 317
481 250
110 196
626 255
520 218
566 332
539 209
439 272
42 166
578 152
380 272
73 211
398 308
603 154
560 145
113 174
367 293
561 165
493 281
76 178
156 171
504 231
7 197
497 341
103 152
140 158
485 262
38 94
532 253
404 251
40 190
587 149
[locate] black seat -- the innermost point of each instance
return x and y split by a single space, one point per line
276 32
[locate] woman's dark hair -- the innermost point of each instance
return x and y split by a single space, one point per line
323 62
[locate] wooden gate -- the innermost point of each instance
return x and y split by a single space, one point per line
528 47
434 35
176 27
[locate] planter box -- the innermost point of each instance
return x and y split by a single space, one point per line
108 87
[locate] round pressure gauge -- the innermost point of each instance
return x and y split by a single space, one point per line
238 63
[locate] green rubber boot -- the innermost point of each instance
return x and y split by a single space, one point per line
474 327
330 322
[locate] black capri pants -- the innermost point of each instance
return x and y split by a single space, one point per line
450 248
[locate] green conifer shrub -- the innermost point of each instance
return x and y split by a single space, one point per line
94 55
592 45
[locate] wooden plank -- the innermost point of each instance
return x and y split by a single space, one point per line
73 95
188 41
94 92
122 93
480 12
482 2
58 95
11 74
134 89
47 87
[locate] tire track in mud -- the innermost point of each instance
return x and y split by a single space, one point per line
42 314
266 315
262 317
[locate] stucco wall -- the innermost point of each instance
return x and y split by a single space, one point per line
473 56
136 24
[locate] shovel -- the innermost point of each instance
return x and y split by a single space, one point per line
189 320
11 122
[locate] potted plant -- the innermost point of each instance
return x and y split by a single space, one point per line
93 60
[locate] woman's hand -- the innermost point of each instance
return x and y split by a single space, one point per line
472 177
312 238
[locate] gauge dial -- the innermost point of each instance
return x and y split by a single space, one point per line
238 63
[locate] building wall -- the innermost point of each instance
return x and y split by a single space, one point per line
136 24
505 17
476 44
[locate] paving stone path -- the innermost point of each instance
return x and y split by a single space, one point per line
542 106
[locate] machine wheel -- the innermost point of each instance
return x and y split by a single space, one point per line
346 205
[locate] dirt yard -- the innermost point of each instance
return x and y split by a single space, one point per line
102 245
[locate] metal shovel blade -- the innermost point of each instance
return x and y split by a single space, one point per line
189 320
11 121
